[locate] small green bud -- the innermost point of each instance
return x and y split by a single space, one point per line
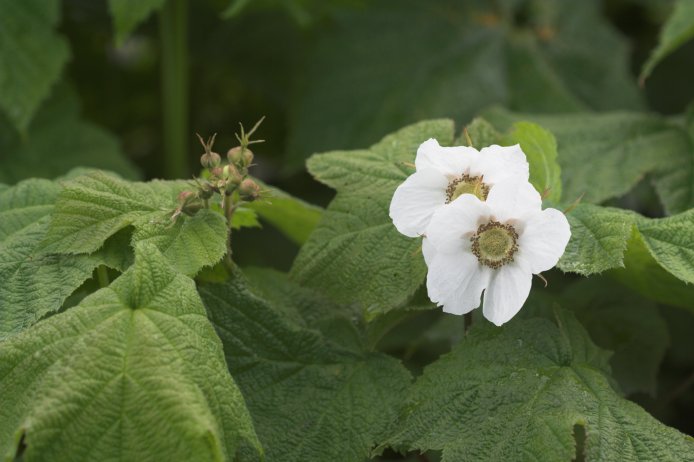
234 175
240 156
217 172
249 190
189 202
210 160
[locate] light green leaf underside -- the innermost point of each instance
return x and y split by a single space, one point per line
293 217
678 29
93 207
135 372
128 14
540 148
310 399
603 156
33 56
58 140
516 393
624 322
32 283
410 60
355 254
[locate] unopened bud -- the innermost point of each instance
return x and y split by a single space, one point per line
189 202
249 190
239 156
210 160
217 172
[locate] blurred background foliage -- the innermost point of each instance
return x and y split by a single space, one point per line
84 82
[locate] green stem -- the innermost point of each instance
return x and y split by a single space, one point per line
229 209
102 276
173 29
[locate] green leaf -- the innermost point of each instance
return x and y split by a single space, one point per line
671 243
310 399
57 141
481 132
522 393
540 148
32 56
598 239
643 274
411 60
128 14
603 156
135 372
355 253
293 217
190 243
32 283
625 323
93 207
678 29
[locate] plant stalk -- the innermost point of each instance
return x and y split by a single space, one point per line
102 276
229 209
173 29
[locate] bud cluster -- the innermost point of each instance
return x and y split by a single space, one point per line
229 179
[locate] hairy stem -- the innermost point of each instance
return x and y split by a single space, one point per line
173 29
229 208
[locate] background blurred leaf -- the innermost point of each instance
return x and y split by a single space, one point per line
32 56
127 14
678 29
397 62
57 140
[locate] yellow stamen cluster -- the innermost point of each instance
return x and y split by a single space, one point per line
494 244
466 184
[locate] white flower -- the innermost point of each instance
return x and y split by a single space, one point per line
445 173
495 245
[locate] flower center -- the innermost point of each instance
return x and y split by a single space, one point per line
494 244
466 184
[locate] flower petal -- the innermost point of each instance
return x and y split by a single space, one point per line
456 281
452 161
544 239
428 250
416 199
513 199
502 163
508 289
452 225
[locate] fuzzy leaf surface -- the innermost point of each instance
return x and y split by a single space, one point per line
33 57
93 207
134 372
355 254
310 398
32 283
57 140
566 57
516 393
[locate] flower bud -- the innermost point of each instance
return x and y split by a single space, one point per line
249 190
240 156
206 191
210 160
217 172
189 202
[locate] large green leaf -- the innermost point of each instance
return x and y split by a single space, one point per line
32 56
93 207
293 217
678 29
522 393
540 148
135 372
57 141
603 156
393 63
310 398
625 323
128 14
32 283
355 254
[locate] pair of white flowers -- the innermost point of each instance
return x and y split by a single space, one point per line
483 226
